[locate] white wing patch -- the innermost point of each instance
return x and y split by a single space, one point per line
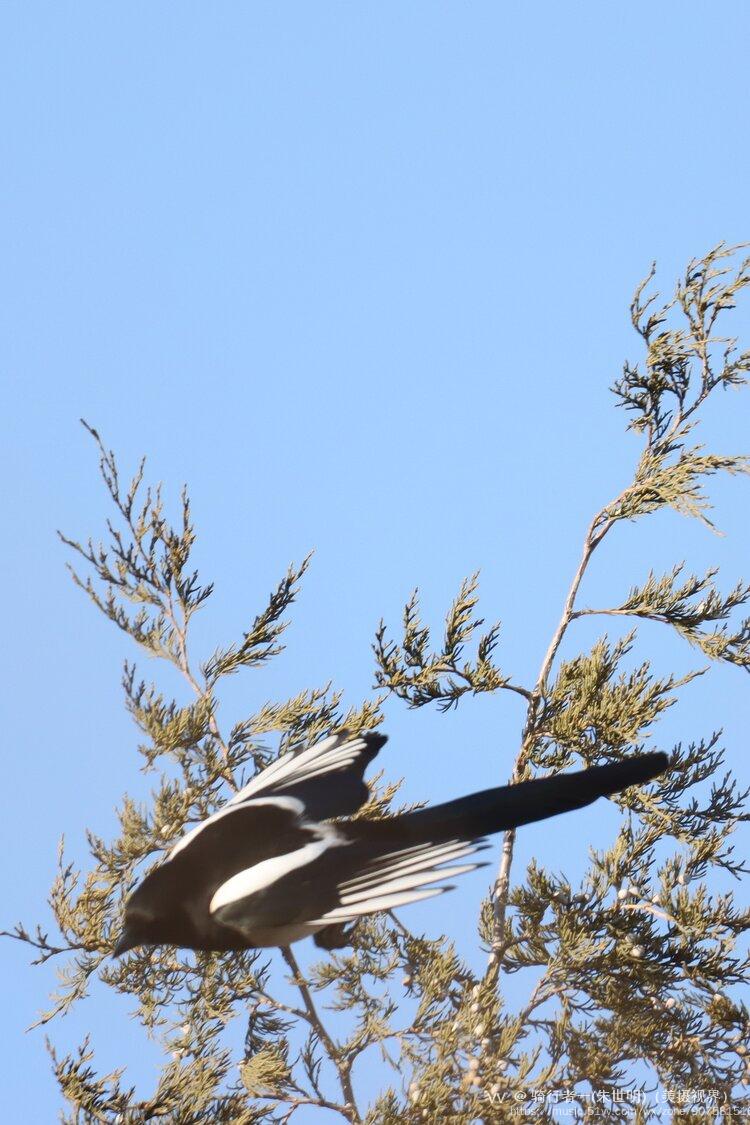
268 871
400 877
291 804
324 757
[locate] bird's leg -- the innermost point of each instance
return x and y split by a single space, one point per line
336 936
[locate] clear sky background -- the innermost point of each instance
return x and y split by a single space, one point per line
359 274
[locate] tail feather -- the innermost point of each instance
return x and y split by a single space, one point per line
509 806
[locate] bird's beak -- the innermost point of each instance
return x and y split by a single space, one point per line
126 942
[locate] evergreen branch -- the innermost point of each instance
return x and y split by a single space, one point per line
661 482
260 643
670 602
419 677
681 361
145 565
40 942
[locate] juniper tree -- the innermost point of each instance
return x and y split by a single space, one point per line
639 961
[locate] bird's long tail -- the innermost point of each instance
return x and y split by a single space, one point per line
509 806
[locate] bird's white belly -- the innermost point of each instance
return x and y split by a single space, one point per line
283 935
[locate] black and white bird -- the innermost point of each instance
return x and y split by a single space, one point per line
269 868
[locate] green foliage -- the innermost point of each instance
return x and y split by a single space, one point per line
266 1071
638 962
684 364
665 599
598 711
418 676
260 643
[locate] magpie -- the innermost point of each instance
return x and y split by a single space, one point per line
270 868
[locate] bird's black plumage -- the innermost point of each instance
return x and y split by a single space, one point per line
267 869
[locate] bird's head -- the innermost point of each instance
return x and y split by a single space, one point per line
138 928
152 916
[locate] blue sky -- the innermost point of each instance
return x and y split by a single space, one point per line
359 274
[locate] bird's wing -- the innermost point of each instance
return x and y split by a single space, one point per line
328 778
344 872
236 841
239 834
397 877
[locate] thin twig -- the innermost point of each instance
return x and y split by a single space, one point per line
295 1102
184 665
598 528
313 1018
